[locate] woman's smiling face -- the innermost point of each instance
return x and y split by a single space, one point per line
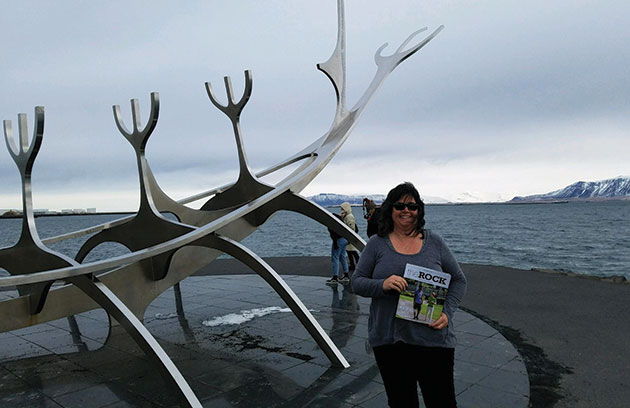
404 219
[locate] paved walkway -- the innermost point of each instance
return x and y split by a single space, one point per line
572 332
268 361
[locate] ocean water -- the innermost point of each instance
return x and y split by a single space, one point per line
590 238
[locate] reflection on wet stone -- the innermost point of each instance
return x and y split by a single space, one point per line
268 361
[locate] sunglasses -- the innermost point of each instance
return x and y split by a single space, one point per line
398 206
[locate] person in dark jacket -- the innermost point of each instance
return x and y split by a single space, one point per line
371 213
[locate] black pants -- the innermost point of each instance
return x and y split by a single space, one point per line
353 256
402 366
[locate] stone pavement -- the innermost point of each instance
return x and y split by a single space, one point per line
267 361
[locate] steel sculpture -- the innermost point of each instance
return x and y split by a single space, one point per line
163 252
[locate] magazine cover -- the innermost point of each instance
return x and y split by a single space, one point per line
423 300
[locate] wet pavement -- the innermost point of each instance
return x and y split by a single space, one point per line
269 360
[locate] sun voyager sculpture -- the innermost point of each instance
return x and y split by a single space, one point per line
164 251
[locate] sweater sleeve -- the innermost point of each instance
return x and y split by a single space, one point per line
363 283
457 288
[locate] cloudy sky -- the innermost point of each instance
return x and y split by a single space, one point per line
512 98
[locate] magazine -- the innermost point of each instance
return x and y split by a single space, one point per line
423 300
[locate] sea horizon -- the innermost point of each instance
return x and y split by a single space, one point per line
545 237
15 213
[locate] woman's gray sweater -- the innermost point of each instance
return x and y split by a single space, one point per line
378 261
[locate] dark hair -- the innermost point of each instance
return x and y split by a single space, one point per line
385 222
368 206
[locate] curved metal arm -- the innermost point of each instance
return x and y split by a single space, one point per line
247 187
386 64
102 295
335 67
258 265
232 109
24 153
138 137
393 60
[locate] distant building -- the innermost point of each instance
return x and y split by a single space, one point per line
67 211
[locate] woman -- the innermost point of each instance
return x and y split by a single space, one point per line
371 213
400 346
353 254
338 256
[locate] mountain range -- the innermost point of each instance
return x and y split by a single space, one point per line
332 199
614 188
610 189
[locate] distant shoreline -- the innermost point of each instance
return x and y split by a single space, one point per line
569 200
71 214
511 202
519 202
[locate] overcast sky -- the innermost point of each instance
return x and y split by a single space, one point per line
512 98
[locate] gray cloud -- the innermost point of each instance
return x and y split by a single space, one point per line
503 79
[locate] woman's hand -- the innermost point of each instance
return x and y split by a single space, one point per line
395 282
440 323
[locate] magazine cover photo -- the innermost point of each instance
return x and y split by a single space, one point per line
423 300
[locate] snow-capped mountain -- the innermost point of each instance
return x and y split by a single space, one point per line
434 200
618 187
469 197
330 199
